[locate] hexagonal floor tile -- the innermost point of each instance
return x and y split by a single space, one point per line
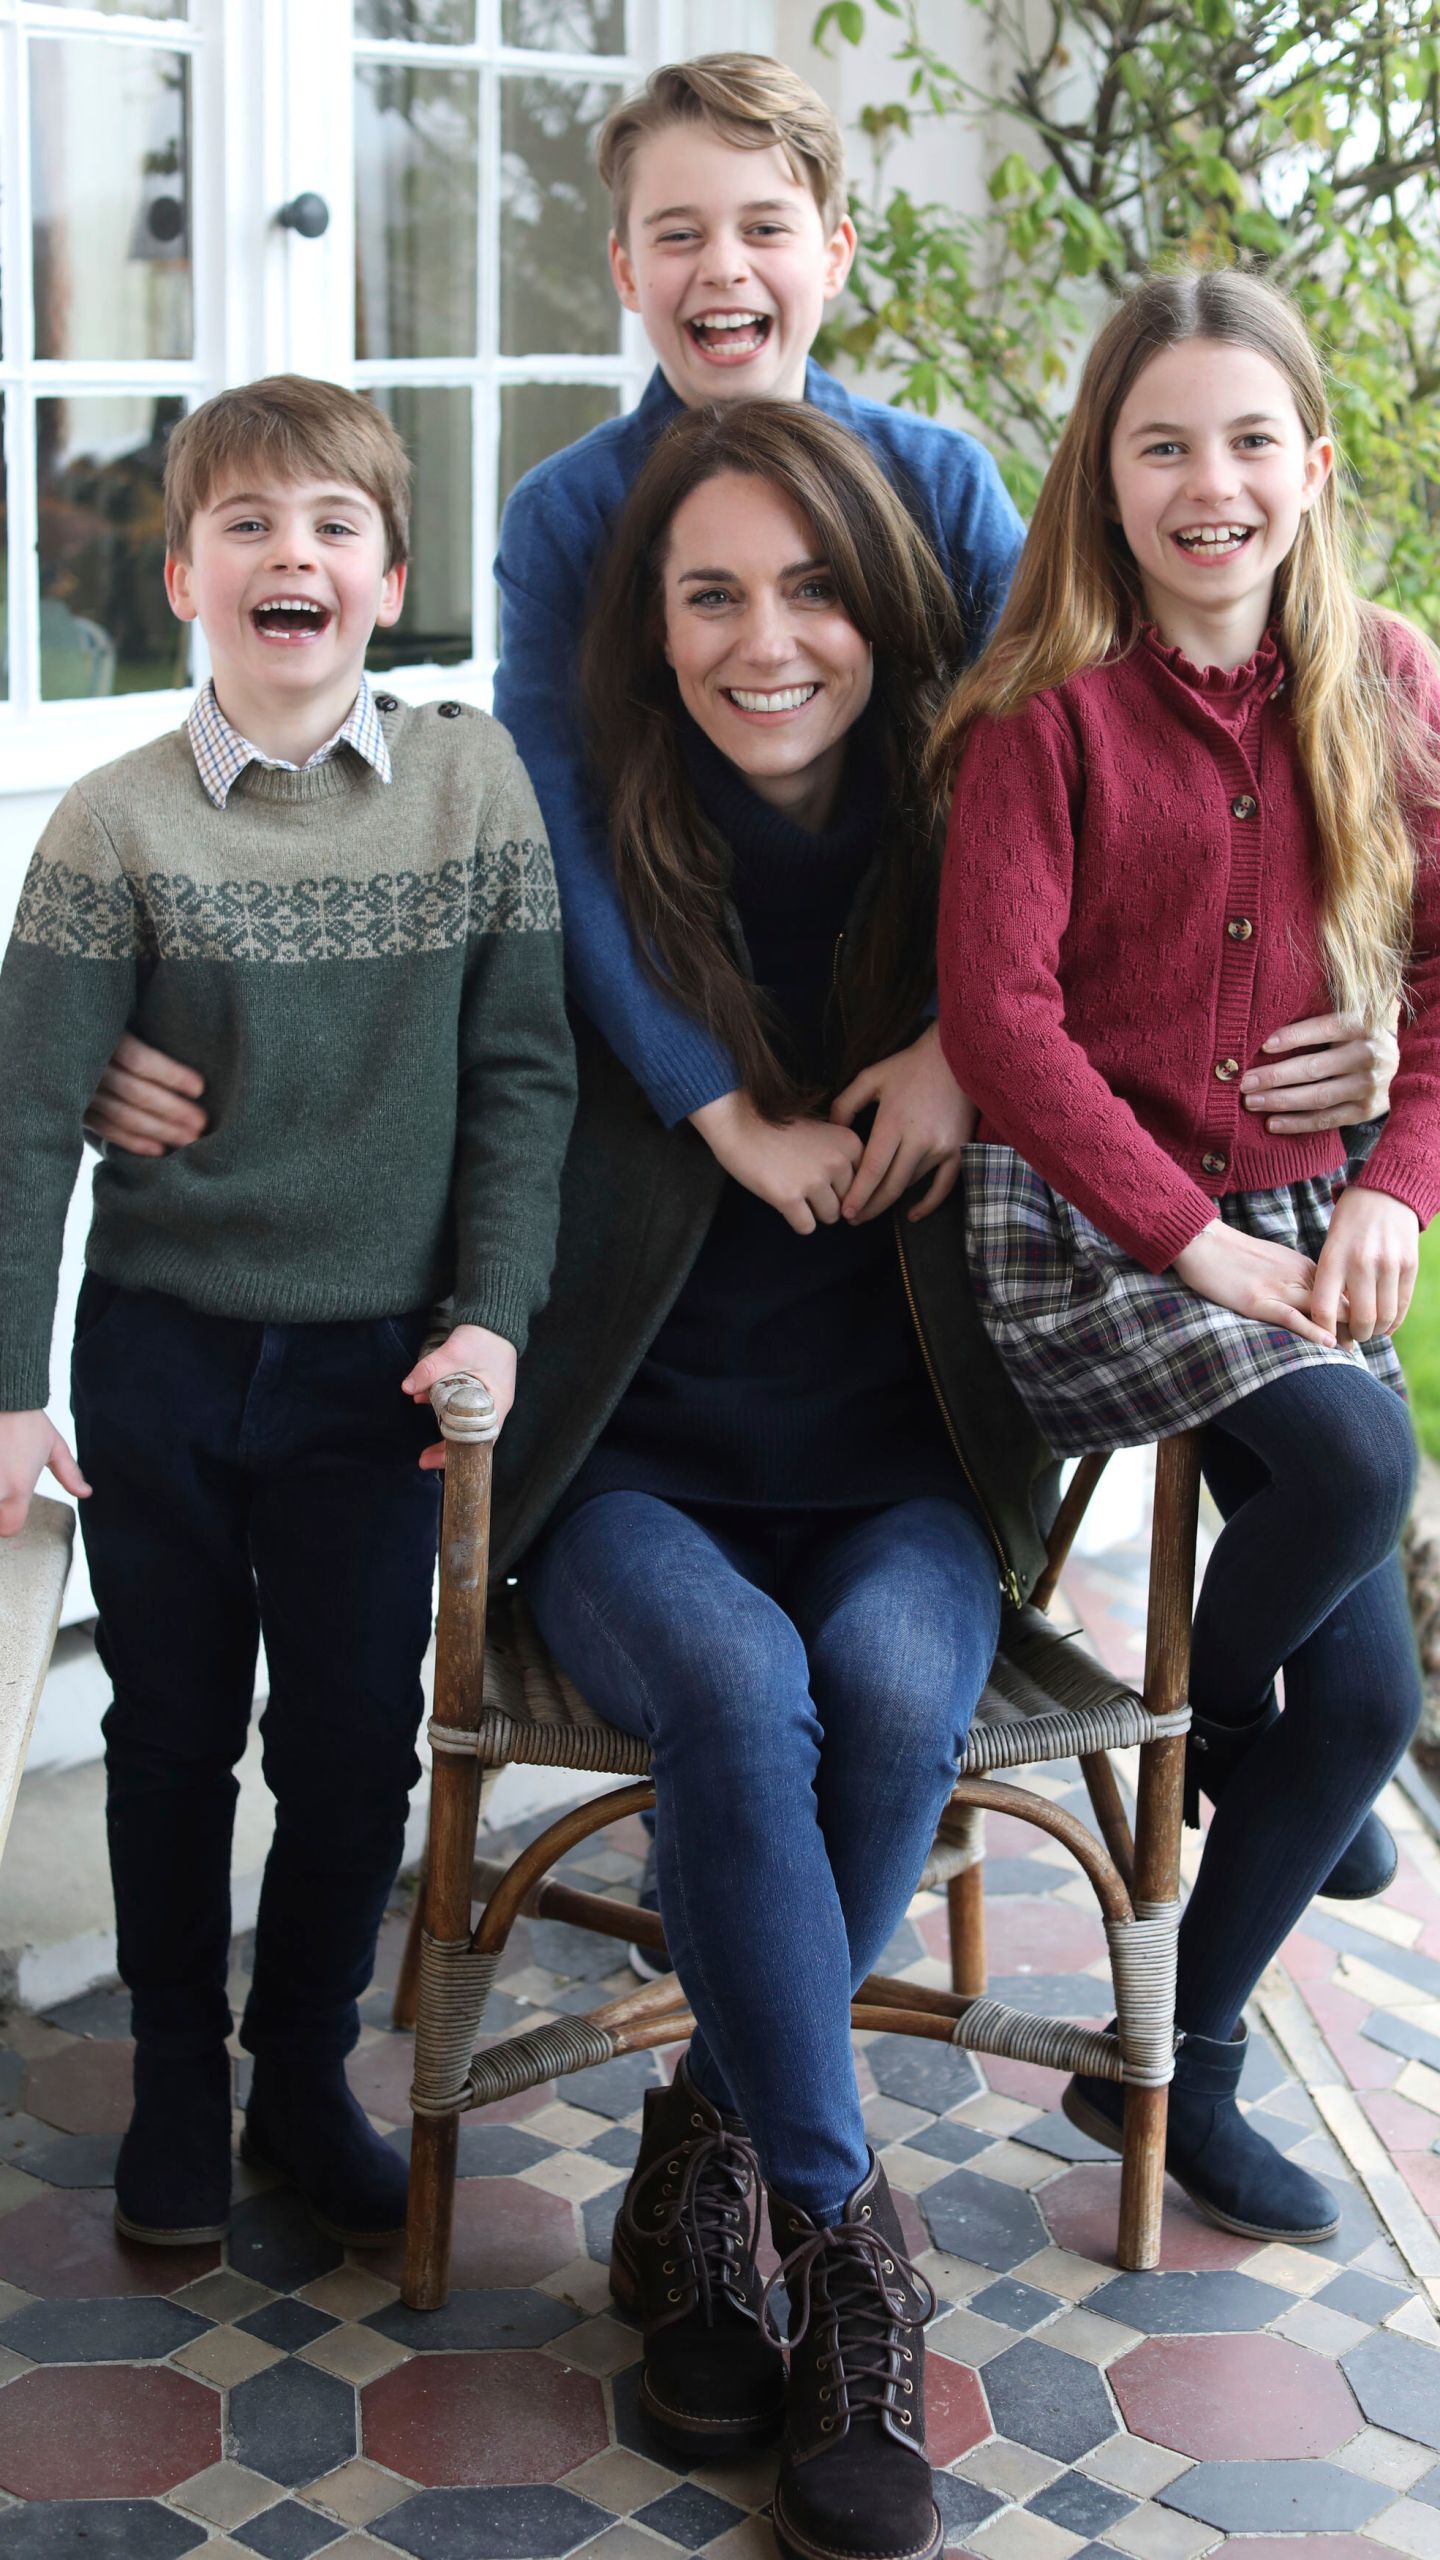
1178 2304
114 2431
103 2528
1049 2401
66 2248
85 2089
979 2218
460 2421
956 2417
293 2423
506 2233
490 2524
1257 2497
1234 2398
1397 2383
1083 2211
134 2330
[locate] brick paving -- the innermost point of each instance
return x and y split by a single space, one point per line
272 2397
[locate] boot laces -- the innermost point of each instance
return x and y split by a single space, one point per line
839 2277
713 2216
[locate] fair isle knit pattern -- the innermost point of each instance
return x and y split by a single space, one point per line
368 978
221 754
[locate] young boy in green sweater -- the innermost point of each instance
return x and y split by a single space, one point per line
343 910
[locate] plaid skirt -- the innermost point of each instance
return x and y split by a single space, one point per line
1107 1355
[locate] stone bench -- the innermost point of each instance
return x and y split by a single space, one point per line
33 1569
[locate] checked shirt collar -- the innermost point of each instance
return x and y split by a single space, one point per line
221 754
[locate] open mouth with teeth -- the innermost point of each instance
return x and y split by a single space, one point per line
730 335
291 618
1213 541
789 698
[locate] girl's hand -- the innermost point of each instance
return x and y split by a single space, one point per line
29 1443
1348 1080
1255 1278
1365 1278
145 1102
803 1168
483 1355
922 1120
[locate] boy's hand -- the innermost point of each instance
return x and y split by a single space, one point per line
803 1168
1365 1278
922 1120
1254 1277
481 1355
1348 1080
29 1443
145 1102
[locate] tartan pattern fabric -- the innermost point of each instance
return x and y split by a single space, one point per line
221 754
1106 1354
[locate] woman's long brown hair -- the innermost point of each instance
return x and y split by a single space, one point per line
1077 598
673 870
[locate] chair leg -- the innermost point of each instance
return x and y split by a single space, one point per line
1159 1799
965 1895
406 2002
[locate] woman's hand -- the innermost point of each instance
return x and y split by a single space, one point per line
145 1102
1365 1278
29 1443
1253 1277
483 1355
1329 1073
922 1120
803 1168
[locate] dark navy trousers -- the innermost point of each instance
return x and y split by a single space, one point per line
253 1481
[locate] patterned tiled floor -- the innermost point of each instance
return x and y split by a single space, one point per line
271 2398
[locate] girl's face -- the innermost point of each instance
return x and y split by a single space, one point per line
1212 472
767 661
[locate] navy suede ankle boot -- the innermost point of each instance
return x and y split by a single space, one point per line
172 2176
1213 1753
1226 2168
304 2123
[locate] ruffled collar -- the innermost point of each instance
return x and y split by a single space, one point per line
1217 685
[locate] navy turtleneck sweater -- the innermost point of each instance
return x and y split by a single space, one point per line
787 1373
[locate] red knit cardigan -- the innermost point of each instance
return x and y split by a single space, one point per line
1129 909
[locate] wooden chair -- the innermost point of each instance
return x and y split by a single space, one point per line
500 1698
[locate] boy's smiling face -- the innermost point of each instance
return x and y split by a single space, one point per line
287 580
727 263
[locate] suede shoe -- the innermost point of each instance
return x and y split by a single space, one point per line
1213 1753
1229 2170
855 2478
305 2125
172 2176
683 2257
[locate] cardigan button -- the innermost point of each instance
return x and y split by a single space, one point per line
1226 1069
386 702
1214 1164
1239 928
1243 806
450 710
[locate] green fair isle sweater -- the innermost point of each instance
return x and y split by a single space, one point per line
367 976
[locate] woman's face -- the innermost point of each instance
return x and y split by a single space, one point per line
767 661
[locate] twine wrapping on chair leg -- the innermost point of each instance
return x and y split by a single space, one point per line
1143 1955
988 2026
542 2053
455 1984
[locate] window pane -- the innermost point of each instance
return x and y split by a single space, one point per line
105 626
537 418
417 21
130 8
435 627
556 297
110 151
565 26
416 136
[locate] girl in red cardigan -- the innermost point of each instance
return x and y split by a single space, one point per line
1196 798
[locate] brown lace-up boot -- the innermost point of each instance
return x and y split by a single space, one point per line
854 2473
683 2257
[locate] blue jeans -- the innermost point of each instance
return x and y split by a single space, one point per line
253 1478
805 1683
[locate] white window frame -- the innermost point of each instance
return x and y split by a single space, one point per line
272 116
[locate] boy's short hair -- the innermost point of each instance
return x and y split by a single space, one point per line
748 99
290 427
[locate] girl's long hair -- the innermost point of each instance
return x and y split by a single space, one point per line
1077 599
673 870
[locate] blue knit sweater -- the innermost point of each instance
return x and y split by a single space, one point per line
553 528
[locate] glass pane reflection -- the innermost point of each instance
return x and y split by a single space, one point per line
537 418
110 153
565 26
417 21
556 297
105 626
435 627
416 135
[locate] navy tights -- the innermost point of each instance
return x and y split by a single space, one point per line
1314 1475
